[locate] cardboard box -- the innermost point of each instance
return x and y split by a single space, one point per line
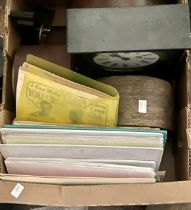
177 155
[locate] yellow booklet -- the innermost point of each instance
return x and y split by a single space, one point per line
70 85
50 93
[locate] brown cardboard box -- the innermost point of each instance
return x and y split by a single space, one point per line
101 195
27 207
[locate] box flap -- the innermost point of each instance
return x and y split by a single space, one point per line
99 195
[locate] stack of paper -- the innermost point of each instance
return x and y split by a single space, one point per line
50 94
119 154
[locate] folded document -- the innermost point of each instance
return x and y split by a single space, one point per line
54 94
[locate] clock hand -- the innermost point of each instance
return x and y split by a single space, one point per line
114 55
119 56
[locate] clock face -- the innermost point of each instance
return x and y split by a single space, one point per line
125 61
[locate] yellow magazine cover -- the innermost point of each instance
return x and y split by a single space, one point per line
42 99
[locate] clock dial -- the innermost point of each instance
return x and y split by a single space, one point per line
125 61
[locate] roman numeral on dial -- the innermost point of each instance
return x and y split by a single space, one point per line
125 65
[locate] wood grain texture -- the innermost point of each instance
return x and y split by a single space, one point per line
158 94
2 13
